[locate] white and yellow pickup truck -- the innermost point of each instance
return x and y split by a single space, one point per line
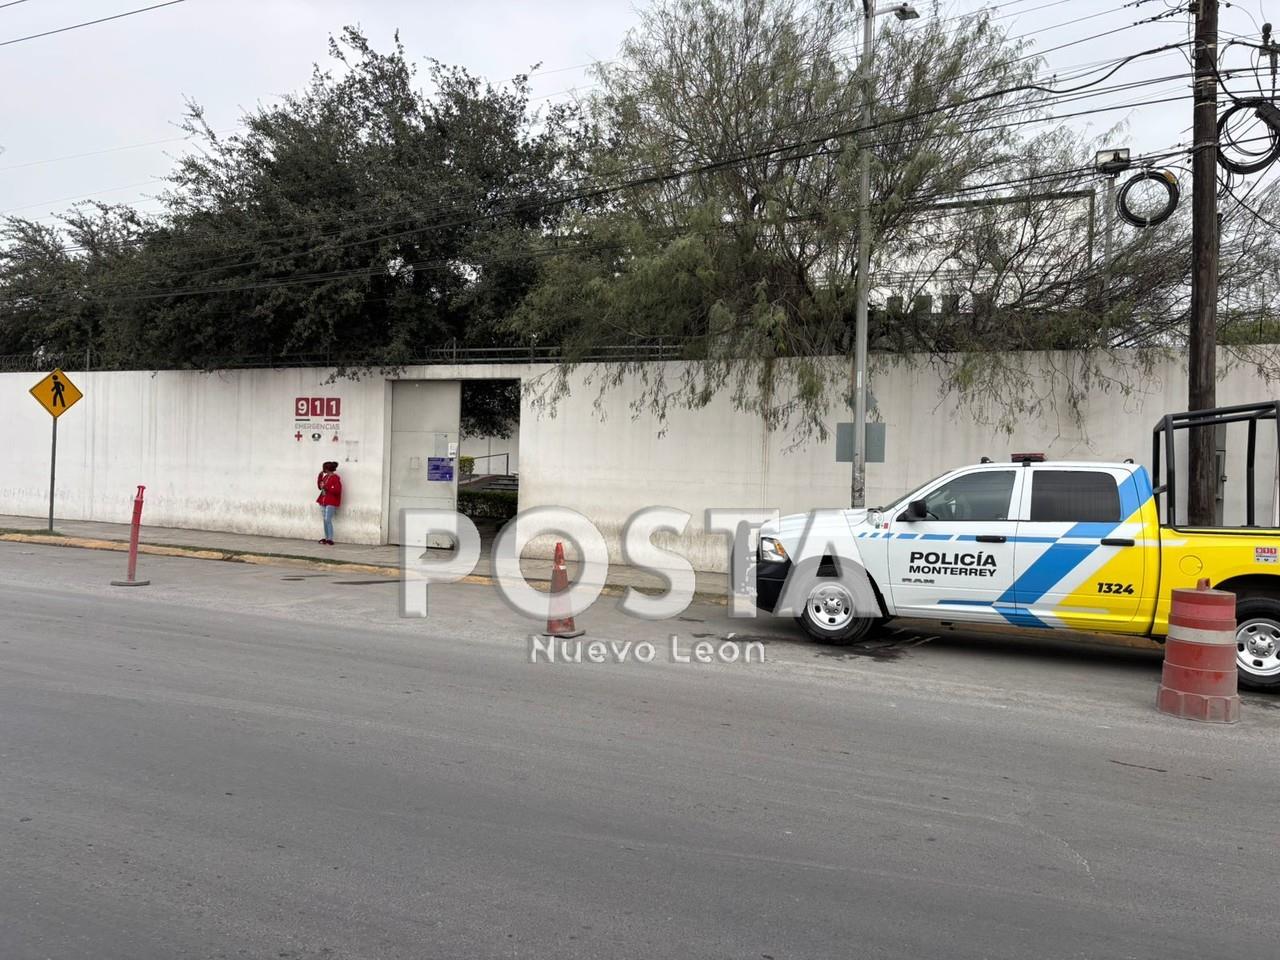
1050 545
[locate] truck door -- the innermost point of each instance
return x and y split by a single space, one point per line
1079 558
959 560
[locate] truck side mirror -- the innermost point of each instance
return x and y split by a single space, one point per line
916 510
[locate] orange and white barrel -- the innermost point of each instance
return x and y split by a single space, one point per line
1199 677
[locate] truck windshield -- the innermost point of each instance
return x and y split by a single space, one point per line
910 495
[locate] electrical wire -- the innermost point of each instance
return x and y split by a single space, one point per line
774 151
384 271
1035 54
1120 62
1253 211
991 127
105 150
405 234
312 251
91 23
1259 159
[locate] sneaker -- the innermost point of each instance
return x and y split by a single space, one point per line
329 542
322 541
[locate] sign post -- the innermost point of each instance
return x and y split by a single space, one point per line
57 394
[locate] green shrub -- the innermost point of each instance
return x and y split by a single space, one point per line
488 504
466 466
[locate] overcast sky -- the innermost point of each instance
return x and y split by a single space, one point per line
113 89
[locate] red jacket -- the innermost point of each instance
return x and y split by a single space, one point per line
330 490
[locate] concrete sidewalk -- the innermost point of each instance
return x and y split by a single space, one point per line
238 546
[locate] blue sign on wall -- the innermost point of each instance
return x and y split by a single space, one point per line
439 468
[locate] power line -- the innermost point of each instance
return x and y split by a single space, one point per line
1115 62
457 206
549 202
90 23
1066 96
1056 73
1034 54
98 153
384 270
84 196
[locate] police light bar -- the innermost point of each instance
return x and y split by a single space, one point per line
1027 458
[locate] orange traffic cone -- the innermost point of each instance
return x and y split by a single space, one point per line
559 613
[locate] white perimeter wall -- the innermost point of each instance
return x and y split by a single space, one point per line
219 451
216 451
594 457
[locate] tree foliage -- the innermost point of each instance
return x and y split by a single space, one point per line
704 199
361 221
749 257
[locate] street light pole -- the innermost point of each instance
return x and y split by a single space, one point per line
861 288
1111 162
1111 226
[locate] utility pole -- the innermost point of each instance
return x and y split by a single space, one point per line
862 292
1202 481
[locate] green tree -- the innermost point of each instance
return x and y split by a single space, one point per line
748 118
55 283
361 221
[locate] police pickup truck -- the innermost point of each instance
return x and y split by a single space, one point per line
1050 545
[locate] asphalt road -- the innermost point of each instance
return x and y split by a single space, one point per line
250 762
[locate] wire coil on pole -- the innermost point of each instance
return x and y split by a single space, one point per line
1165 179
1255 159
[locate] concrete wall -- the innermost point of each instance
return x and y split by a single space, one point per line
215 451
225 451
595 456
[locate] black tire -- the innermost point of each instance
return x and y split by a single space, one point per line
1257 650
832 626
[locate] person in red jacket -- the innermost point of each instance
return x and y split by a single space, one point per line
330 486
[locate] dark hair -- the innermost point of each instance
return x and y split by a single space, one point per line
329 465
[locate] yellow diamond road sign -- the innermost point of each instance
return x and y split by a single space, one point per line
57 393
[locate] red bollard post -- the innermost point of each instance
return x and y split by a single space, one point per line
133 580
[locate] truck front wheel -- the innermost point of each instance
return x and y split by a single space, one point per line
1258 642
828 615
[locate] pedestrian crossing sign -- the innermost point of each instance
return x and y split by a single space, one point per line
57 393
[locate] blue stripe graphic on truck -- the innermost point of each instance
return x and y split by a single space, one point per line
1014 615
1048 568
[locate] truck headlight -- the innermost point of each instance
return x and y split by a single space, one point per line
772 550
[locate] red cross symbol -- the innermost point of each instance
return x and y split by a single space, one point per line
298 436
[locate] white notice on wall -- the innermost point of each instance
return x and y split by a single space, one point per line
353 451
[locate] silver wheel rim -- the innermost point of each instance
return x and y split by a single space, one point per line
1258 647
830 606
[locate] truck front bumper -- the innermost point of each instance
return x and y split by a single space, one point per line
770 576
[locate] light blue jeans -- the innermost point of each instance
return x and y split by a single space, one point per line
328 521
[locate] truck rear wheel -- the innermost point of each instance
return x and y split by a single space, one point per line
1258 642
828 615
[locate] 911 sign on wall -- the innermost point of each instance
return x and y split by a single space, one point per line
317 419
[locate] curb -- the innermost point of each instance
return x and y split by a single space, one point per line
199 553
285 560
